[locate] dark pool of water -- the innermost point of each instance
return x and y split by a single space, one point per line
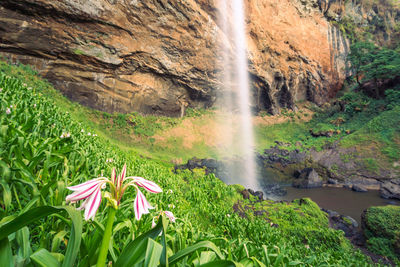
344 201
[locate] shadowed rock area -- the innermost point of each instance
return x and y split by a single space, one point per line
160 57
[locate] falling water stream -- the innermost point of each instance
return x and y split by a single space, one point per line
236 121
236 99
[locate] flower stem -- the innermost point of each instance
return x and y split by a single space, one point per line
106 238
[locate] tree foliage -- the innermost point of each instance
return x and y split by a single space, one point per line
373 66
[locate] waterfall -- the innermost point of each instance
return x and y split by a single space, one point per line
236 95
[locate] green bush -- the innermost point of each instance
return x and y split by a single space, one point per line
382 230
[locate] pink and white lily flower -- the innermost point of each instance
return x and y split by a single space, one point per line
90 192
167 213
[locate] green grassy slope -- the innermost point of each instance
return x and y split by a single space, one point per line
37 165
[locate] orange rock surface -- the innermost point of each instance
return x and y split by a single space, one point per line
160 56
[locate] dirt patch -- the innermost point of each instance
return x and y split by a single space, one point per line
218 129
304 114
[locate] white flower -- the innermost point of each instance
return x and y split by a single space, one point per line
82 131
170 191
228 215
89 133
34 105
11 106
171 206
65 135
29 88
8 111
170 215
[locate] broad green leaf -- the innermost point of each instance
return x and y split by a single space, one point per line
22 236
153 253
6 194
75 237
43 211
6 258
221 263
135 251
43 258
164 256
187 251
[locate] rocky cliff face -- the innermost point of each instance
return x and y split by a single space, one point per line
160 56
356 17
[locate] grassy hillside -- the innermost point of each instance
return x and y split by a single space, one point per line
44 148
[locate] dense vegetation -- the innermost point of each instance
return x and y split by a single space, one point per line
382 230
43 150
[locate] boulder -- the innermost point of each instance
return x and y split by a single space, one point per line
359 188
341 222
390 189
332 181
258 194
307 178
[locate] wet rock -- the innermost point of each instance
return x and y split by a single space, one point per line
332 181
258 194
274 189
307 178
390 189
340 222
359 188
245 193
347 186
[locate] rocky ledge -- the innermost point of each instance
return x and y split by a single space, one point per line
333 166
161 56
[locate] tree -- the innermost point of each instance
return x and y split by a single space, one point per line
359 56
371 63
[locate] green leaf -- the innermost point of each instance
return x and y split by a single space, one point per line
220 263
134 252
6 194
75 238
6 258
187 251
153 253
22 237
43 211
164 256
43 258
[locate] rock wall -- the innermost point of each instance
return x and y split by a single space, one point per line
378 18
160 56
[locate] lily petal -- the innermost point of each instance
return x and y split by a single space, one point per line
93 204
141 205
113 175
170 215
148 185
79 195
83 205
85 185
121 176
